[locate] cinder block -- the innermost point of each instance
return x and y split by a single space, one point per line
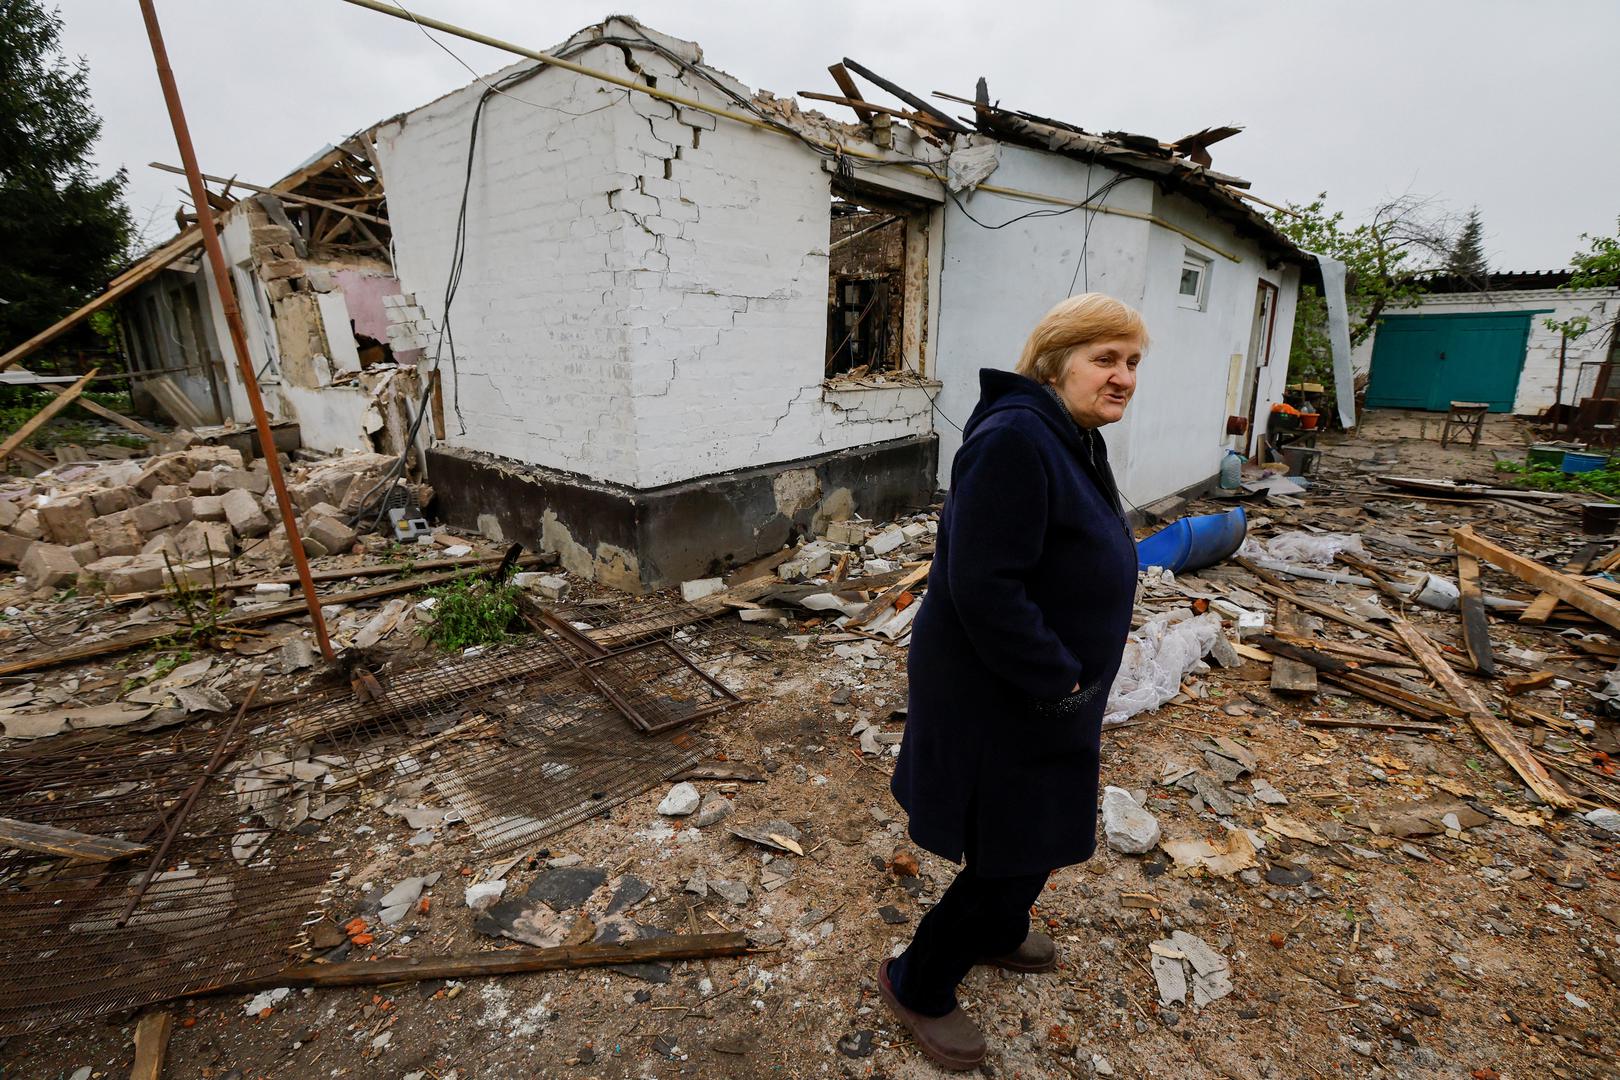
210 457
170 492
208 508
151 517
112 500
143 573
85 553
9 511
162 544
197 539
202 482
116 534
243 512
13 548
256 481
66 521
330 532
48 566
168 469
28 526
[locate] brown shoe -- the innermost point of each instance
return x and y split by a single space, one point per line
951 1041
1037 953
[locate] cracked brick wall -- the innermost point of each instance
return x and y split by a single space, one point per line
644 297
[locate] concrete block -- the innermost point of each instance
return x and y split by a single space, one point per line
202 482
143 573
850 533
116 534
209 457
168 469
198 539
85 553
151 517
47 566
162 544
330 532
242 510
697 590
208 508
111 500
886 541
170 492
28 526
252 480
9 510
13 548
66 521
326 509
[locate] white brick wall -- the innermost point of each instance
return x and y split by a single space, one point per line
1538 379
644 298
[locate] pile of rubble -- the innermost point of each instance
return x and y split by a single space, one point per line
139 525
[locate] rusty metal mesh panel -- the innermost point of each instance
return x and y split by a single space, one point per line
658 686
226 903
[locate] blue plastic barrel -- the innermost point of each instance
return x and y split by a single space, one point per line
1193 543
1575 462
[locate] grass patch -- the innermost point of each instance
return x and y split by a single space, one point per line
472 611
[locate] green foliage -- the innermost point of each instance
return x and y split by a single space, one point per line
471 611
62 230
1596 267
1605 481
1468 254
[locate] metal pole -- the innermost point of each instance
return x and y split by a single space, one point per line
233 320
1558 395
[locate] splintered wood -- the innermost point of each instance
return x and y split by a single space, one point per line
1288 675
1495 731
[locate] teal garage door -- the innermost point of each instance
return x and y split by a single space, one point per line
1429 361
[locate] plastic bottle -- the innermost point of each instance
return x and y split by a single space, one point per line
1231 471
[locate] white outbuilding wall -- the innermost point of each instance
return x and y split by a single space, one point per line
1538 380
645 287
996 284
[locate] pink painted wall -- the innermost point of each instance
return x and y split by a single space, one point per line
363 291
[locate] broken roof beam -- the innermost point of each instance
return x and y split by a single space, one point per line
906 96
846 83
41 418
1565 587
279 193
868 109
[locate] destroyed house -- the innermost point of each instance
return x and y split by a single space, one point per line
658 322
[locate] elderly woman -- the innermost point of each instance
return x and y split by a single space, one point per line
1012 657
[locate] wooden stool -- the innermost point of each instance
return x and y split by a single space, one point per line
1465 417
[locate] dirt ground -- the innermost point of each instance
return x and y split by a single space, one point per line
1482 951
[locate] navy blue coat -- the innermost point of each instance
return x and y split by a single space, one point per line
1031 591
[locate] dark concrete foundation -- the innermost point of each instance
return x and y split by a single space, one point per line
639 540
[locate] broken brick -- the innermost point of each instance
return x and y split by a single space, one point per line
47 566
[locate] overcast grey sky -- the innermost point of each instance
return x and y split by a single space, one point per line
1507 106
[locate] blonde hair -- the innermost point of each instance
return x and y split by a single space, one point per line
1077 321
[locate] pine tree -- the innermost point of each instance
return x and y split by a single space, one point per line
1468 255
62 230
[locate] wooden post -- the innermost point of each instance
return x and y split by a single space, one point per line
1567 588
151 1044
1476 629
233 321
1291 676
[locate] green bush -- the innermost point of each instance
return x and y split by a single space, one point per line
1605 481
471 611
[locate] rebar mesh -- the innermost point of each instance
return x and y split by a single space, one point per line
225 905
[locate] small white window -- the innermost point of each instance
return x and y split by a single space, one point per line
1194 290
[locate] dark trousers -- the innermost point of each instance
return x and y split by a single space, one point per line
977 919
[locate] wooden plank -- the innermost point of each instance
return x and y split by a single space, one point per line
905 95
41 418
846 83
866 106
175 402
114 417
512 962
1290 676
1378 579
279 193
1394 695
437 405
1393 725
151 1044
27 836
1275 589
1300 650
1567 588
1476 628
891 595
120 286
1363 653
1498 735
1542 607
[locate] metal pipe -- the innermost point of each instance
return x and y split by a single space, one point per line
233 320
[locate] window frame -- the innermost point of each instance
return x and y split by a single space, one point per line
1203 265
